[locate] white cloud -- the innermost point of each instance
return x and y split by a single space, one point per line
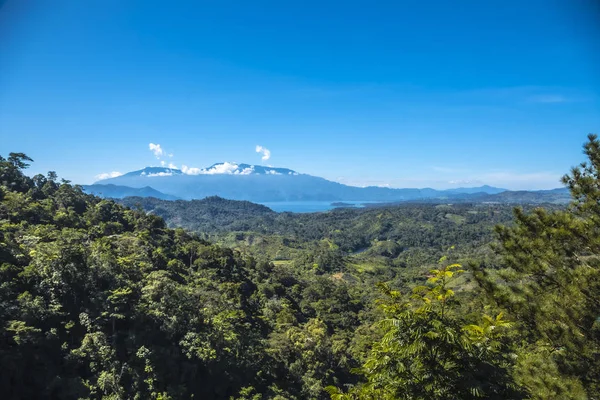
190 171
266 153
162 163
156 149
160 174
107 175
172 166
273 172
245 171
225 168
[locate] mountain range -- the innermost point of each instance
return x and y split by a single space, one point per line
258 183
118 192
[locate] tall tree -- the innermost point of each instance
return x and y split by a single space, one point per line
550 283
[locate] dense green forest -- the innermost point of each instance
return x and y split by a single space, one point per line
229 300
402 235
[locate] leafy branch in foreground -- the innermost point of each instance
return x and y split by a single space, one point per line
427 350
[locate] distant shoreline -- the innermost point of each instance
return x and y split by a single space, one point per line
342 204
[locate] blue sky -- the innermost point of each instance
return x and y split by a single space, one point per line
399 93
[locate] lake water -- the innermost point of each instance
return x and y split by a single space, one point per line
308 206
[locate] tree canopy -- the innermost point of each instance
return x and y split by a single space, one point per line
102 301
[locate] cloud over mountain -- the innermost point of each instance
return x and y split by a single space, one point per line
266 153
107 175
156 149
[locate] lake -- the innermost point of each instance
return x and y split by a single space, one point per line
308 206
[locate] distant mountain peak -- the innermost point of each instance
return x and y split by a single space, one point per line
224 168
232 168
261 183
118 192
155 171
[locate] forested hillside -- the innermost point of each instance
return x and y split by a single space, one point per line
101 301
118 192
384 243
351 229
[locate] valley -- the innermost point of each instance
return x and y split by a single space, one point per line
223 298
299 200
